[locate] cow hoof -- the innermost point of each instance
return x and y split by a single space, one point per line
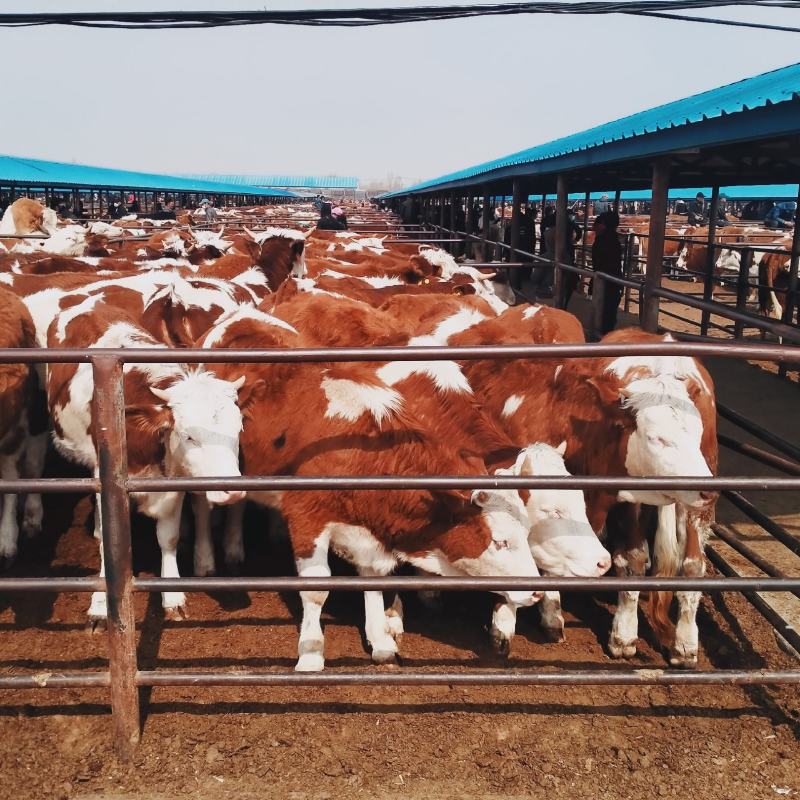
96 624
682 659
620 649
310 662
384 656
501 644
176 613
555 635
7 561
205 571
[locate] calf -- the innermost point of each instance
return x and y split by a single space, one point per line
178 422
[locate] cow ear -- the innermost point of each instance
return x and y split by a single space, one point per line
607 391
250 392
152 420
250 248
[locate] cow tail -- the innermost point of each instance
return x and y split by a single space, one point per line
668 550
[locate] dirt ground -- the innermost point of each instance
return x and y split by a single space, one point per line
406 742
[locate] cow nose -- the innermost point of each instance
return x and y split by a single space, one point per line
604 564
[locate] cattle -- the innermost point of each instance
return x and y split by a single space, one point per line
16 330
179 421
355 423
641 416
25 217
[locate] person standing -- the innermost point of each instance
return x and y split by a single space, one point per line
607 259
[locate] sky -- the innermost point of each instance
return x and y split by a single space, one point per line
417 100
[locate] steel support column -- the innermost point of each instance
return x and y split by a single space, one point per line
560 278
655 247
708 278
516 213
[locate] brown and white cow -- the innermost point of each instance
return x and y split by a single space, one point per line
353 423
16 330
179 421
640 416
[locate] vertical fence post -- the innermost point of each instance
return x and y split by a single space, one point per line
655 245
791 295
742 288
560 255
108 414
515 275
486 222
708 277
586 201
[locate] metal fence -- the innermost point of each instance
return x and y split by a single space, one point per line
114 485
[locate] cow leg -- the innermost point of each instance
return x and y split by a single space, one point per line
9 531
203 543
234 537
376 624
168 528
683 652
552 619
629 561
311 647
97 607
504 625
33 466
394 618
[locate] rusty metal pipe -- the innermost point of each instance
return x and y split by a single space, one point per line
55 680
639 677
759 517
465 583
757 454
404 482
52 584
772 439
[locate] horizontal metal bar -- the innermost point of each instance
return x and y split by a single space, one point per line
744 549
768 524
772 439
465 583
757 454
50 485
639 677
409 482
765 609
761 352
55 680
90 584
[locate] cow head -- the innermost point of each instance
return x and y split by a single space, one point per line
560 537
204 439
666 440
507 551
278 252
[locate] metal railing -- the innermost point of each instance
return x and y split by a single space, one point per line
114 485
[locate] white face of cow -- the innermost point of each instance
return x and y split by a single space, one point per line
204 441
508 553
666 441
561 539
728 260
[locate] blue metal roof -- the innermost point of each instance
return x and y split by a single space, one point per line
769 88
784 191
36 173
286 181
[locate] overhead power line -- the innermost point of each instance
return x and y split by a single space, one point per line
360 17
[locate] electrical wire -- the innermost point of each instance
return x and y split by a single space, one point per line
362 17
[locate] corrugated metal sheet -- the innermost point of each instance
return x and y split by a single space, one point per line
285 181
36 173
769 88
783 191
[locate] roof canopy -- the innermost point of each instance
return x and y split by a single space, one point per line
58 175
286 181
742 133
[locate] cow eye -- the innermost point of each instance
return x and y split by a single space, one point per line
500 544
